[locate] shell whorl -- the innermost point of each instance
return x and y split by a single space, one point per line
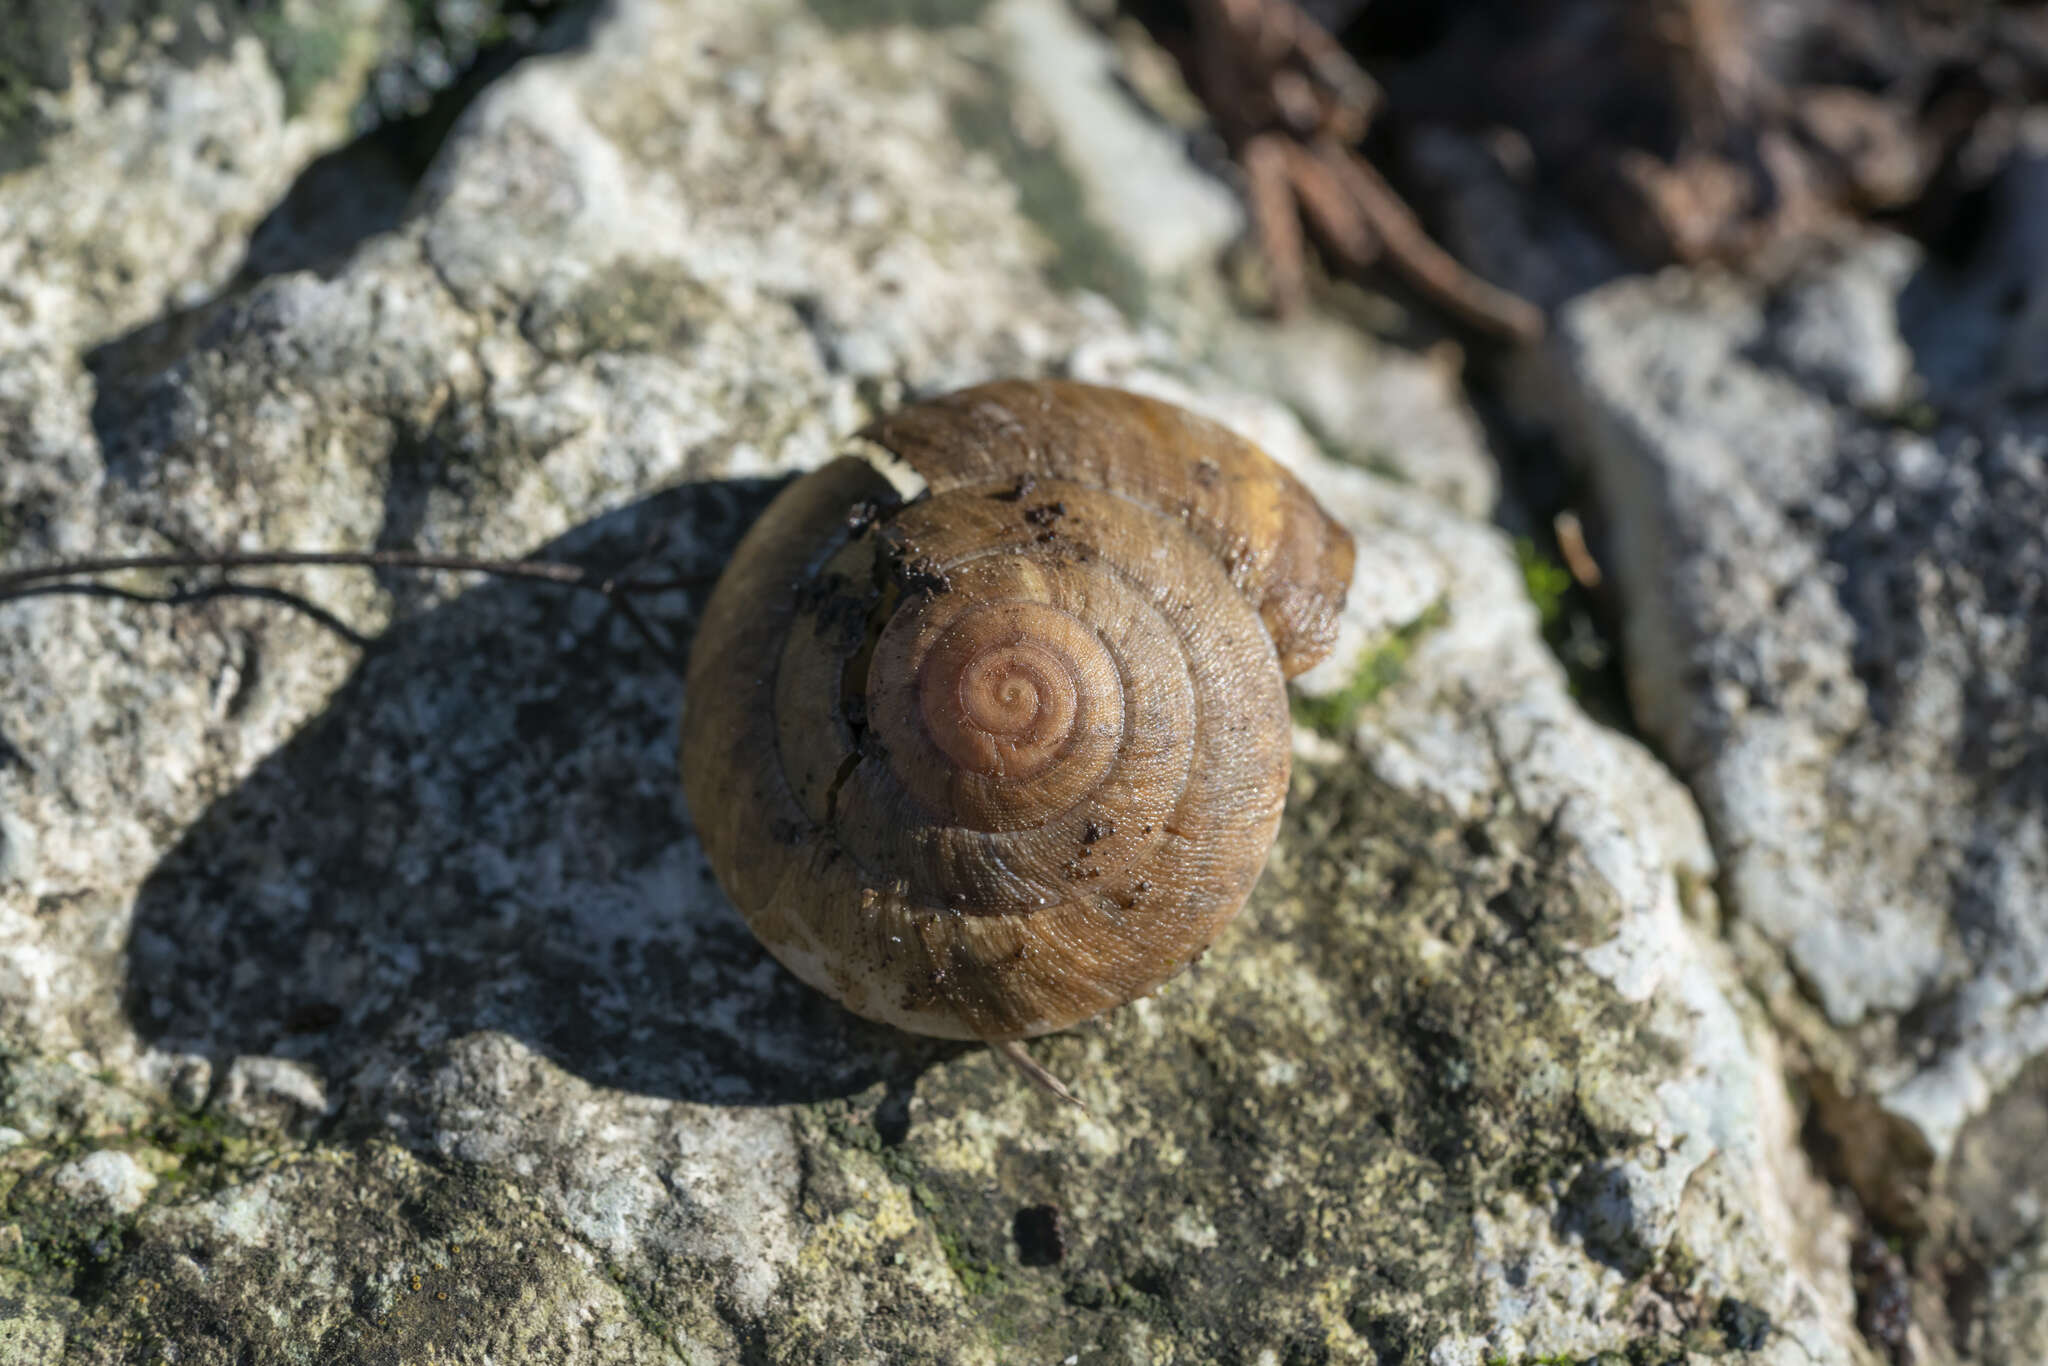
990 761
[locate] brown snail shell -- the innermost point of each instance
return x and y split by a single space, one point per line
987 762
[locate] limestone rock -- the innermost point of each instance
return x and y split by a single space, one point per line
1834 628
107 1180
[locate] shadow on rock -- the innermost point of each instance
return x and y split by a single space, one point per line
485 831
1600 1212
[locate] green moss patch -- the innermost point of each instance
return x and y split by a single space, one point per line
1573 629
305 55
1546 580
1334 714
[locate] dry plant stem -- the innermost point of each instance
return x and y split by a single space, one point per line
1428 266
193 596
1252 23
1268 61
1279 226
1319 182
1013 1053
1275 30
573 575
1578 557
1358 94
63 577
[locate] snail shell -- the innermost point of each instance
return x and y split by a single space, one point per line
985 762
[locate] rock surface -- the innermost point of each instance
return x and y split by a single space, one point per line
1825 495
142 143
1835 630
371 1001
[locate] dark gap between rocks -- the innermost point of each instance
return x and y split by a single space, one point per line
1581 625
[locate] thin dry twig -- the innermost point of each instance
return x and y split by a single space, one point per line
1275 219
74 577
1013 1053
193 596
1578 557
1428 266
1358 95
1294 104
1327 200
574 576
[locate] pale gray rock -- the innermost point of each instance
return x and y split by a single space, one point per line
1132 172
396 964
1401 415
272 1094
2017 1331
32 1328
1834 628
107 1181
1835 322
1998 1186
1478 723
146 177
